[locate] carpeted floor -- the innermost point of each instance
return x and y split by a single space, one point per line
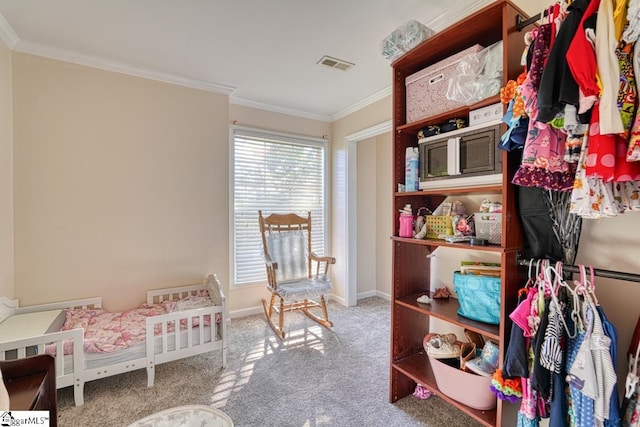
315 377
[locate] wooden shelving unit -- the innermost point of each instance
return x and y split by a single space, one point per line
411 263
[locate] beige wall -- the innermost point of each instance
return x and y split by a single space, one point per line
532 7
366 225
374 216
384 213
121 183
613 244
6 174
246 299
369 116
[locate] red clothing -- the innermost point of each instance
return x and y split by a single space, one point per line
581 56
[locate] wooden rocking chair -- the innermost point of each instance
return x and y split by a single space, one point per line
286 242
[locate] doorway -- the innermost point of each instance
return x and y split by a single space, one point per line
352 198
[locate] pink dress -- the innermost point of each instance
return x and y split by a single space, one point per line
543 162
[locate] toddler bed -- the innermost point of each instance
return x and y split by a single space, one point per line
173 324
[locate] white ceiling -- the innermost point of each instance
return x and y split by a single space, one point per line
262 53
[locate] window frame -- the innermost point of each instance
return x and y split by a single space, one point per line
298 139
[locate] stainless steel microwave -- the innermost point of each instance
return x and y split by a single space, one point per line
466 157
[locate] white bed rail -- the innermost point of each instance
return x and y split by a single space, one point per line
183 334
157 296
211 284
38 345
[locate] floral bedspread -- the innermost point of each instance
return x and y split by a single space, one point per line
111 331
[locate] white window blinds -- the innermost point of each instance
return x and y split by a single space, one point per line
276 174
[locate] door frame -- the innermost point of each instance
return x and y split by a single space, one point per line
351 294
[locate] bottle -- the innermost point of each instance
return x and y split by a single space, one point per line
4 395
406 222
411 179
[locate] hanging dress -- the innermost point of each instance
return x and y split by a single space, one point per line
581 58
557 86
543 163
608 70
630 35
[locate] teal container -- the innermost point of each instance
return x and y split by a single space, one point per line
478 296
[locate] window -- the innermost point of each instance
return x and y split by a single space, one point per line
274 173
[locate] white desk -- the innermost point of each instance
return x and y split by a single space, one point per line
29 325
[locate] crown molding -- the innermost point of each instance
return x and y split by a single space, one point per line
7 34
381 94
455 13
275 109
95 62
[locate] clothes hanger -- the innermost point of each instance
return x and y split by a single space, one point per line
575 311
591 288
586 287
632 376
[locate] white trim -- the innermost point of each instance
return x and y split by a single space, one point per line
95 62
278 134
336 298
370 132
7 34
232 202
381 94
383 295
455 13
467 181
351 235
369 294
275 109
246 312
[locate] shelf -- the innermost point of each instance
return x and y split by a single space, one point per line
412 264
497 188
447 310
414 127
418 368
462 245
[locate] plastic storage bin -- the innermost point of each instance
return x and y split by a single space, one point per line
467 388
403 39
489 226
437 225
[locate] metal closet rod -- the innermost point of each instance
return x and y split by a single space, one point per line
609 274
521 23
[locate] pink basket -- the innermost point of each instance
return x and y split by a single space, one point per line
427 88
467 388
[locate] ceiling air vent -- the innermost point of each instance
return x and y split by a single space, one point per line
335 63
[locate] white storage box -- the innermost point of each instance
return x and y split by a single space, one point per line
489 226
490 113
427 89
